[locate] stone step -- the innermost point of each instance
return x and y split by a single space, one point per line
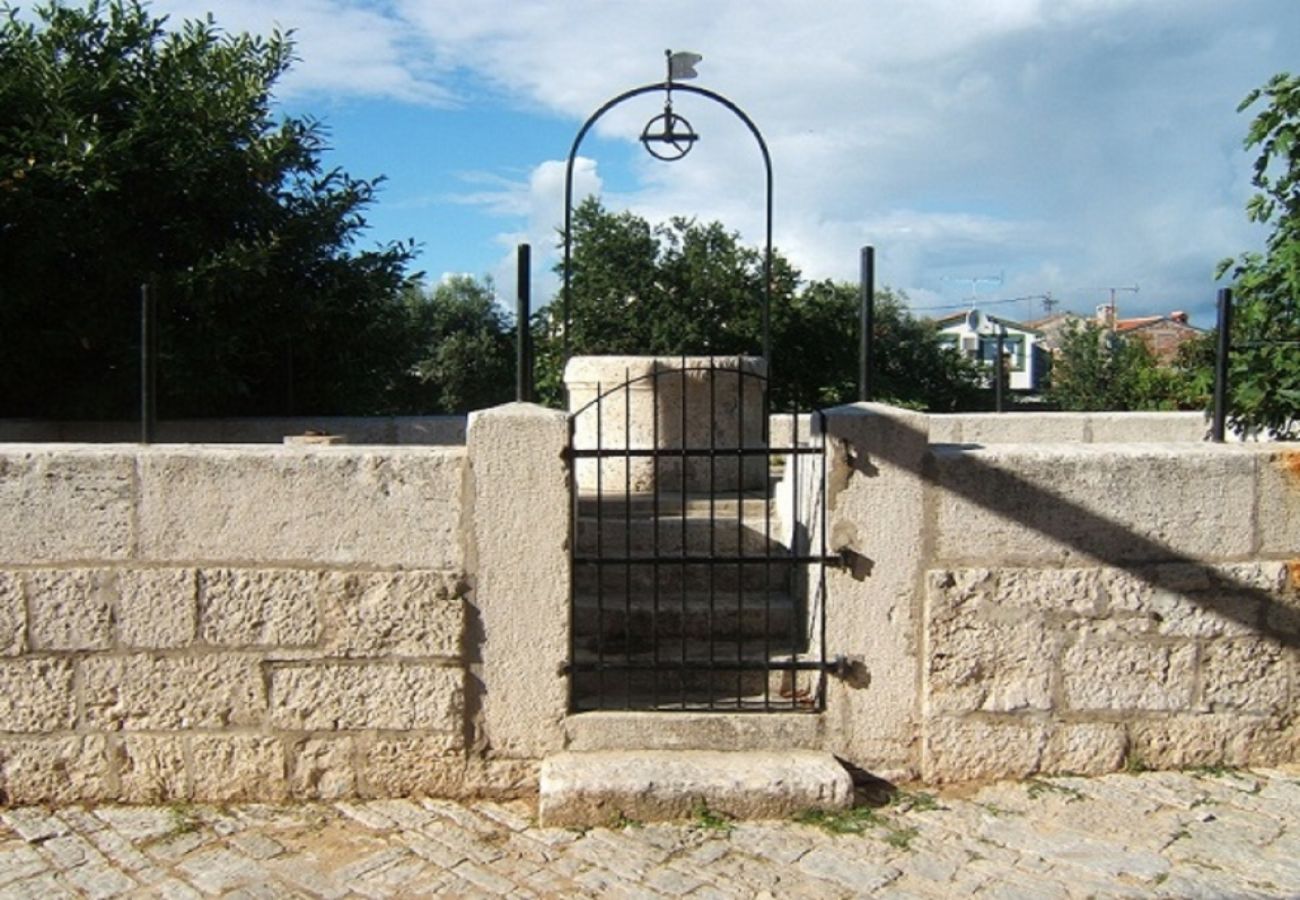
793 693
669 535
640 577
749 505
639 618
603 787
688 676
651 730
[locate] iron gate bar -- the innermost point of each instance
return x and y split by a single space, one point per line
684 480
627 532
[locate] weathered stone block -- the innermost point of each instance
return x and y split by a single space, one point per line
1249 675
281 505
156 608
1214 739
71 609
592 789
400 767
260 607
13 615
393 696
1184 600
228 768
1085 748
56 770
36 695
1279 503
986 656
1133 675
144 692
151 769
967 749
522 574
73 503
394 614
322 769
1106 502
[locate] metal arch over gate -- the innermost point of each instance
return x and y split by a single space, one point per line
698 546
670 138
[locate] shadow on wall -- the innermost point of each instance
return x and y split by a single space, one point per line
1076 528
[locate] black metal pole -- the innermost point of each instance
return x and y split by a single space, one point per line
523 312
999 369
866 322
1224 346
148 372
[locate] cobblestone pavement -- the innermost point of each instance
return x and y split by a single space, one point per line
1187 834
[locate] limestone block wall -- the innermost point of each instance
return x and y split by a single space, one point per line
388 430
232 623
1061 607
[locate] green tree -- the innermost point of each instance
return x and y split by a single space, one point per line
687 287
1097 369
1264 371
130 151
818 331
464 357
679 287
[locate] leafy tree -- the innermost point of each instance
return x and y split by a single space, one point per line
465 352
1096 369
129 151
1264 373
679 287
686 287
818 330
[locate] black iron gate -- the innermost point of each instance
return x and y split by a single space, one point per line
698 544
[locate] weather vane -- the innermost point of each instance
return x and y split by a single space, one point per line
669 136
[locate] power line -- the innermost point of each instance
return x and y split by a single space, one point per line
967 304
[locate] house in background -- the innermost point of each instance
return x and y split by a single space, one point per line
1163 335
974 335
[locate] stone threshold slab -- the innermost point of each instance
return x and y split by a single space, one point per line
603 787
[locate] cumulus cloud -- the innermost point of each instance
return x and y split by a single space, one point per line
1069 143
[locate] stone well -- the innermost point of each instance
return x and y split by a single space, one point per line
669 403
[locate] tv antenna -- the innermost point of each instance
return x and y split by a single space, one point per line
975 282
1112 308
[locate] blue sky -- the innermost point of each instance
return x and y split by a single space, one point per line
1066 146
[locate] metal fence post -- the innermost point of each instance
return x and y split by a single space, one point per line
523 312
866 321
148 361
1223 348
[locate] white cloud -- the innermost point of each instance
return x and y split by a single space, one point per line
1068 142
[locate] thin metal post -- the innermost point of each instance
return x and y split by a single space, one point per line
866 322
1224 347
523 312
148 362
999 369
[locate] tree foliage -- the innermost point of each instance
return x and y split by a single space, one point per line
689 288
129 151
464 353
1097 369
1264 372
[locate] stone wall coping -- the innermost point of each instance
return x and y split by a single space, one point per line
614 370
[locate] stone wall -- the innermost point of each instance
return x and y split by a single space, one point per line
1056 607
386 430
268 622
220 623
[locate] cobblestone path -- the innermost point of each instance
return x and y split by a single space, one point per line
1187 834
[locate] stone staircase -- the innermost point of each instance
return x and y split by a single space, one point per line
684 601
